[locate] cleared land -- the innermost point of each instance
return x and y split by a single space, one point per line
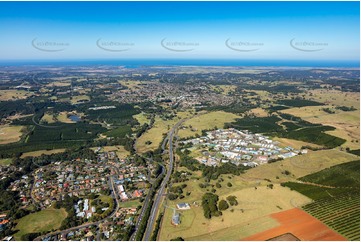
297 144
259 112
130 204
299 166
347 124
155 134
48 118
42 221
141 118
7 95
210 120
10 134
79 99
5 162
63 117
335 97
59 84
132 85
300 224
224 89
257 204
118 149
249 216
41 152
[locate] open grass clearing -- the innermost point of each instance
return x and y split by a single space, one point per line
299 166
335 97
253 206
5 162
297 144
118 149
65 83
10 133
42 152
141 118
7 95
130 204
259 112
132 84
209 120
42 221
156 134
79 99
64 117
48 118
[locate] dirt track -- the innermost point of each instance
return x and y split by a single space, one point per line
300 224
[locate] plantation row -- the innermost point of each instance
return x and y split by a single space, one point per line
338 208
344 175
341 214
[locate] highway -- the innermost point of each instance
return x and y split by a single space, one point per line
144 208
161 190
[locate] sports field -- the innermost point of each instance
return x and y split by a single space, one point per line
42 221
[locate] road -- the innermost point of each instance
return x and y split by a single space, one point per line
144 208
161 190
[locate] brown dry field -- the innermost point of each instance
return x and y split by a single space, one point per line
300 224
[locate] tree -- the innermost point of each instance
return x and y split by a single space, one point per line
232 200
229 184
223 205
172 196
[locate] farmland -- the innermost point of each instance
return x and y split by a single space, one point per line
299 224
338 205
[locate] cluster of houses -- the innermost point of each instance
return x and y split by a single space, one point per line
80 178
172 94
83 210
239 147
23 186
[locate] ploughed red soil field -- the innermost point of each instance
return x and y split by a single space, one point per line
300 224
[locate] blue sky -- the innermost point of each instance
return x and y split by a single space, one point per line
254 30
